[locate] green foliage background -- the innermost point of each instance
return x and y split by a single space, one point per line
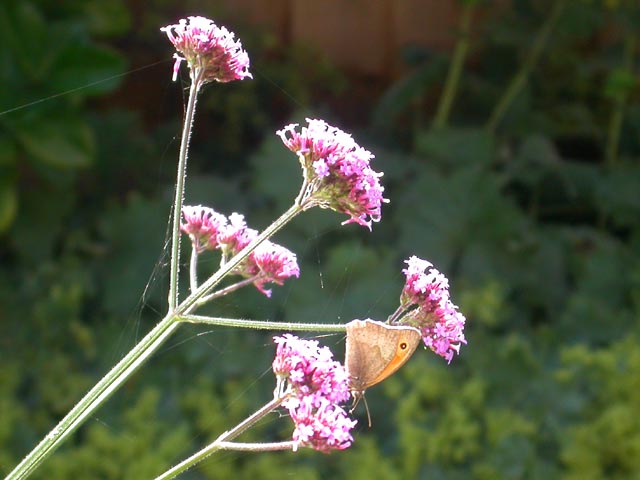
533 219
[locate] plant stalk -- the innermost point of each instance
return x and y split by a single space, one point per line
180 181
262 325
522 76
619 103
222 440
455 68
135 358
227 290
193 269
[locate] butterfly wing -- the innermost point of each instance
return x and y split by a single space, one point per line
375 350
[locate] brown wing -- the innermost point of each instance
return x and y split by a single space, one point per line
406 342
375 350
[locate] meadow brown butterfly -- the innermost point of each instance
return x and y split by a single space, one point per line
374 351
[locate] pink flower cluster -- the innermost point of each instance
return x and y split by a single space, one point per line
316 385
273 263
337 171
203 225
209 230
210 51
426 293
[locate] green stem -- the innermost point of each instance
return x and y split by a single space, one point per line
222 440
522 76
227 290
262 325
134 359
257 447
193 269
455 68
95 397
617 116
177 205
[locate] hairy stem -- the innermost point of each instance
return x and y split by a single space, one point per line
134 359
263 325
222 440
177 203
227 290
193 269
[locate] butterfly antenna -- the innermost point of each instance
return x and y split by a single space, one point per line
366 407
357 396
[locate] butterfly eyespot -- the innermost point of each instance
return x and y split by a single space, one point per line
403 346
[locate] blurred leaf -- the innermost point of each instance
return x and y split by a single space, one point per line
223 195
616 194
452 210
408 89
40 223
94 70
277 172
598 309
619 83
536 157
537 149
456 146
8 205
62 142
30 58
8 152
134 234
352 281
580 20
107 17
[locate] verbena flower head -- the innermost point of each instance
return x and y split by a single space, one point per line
209 230
202 224
315 385
423 283
337 171
426 296
309 369
321 425
210 51
272 263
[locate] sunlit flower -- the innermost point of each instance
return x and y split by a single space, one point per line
235 236
268 263
425 297
210 51
273 264
321 425
202 224
424 284
309 369
314 385
337 171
